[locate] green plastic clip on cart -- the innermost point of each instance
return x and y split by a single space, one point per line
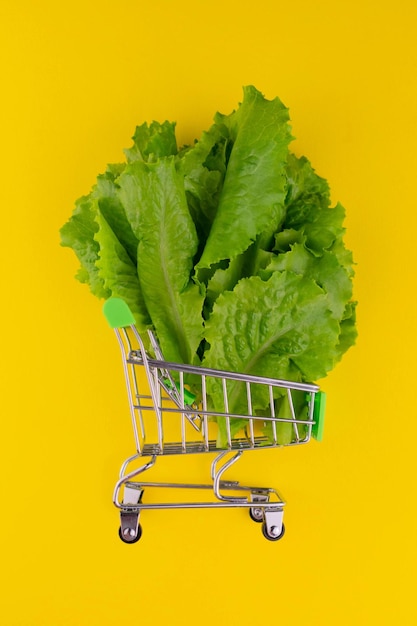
173 413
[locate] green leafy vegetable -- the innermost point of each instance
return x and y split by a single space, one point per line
253 193
79 234
229 249
119 272
154 199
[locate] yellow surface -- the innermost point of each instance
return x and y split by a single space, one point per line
77 77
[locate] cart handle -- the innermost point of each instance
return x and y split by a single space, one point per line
318 415
117 313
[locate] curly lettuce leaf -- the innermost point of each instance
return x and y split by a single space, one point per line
203 166
263 327
348 329
249 263
78 233
152 141
307 192
308 215
119 274
325 270
253 194
154 199
106 195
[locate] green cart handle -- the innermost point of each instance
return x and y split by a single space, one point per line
319 410
117 313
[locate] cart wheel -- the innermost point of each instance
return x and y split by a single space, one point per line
127 539
271 537
256 514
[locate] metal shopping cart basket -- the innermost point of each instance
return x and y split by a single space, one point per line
174 416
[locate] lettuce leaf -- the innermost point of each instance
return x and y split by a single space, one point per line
325 270
203 166
265 326
154 199
252 198
119 273
105 193
79 234
151 142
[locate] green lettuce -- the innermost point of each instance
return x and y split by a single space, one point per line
229 249
154 199
252 198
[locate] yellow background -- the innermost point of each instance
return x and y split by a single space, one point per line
76 78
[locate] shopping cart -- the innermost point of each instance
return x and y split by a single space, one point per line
175 415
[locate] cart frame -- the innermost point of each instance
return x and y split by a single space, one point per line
170 400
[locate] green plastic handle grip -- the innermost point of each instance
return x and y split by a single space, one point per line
189 397
117 313
318 415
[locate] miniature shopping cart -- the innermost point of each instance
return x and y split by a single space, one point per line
174 414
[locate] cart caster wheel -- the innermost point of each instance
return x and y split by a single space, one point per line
127 536
256 514
271 536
